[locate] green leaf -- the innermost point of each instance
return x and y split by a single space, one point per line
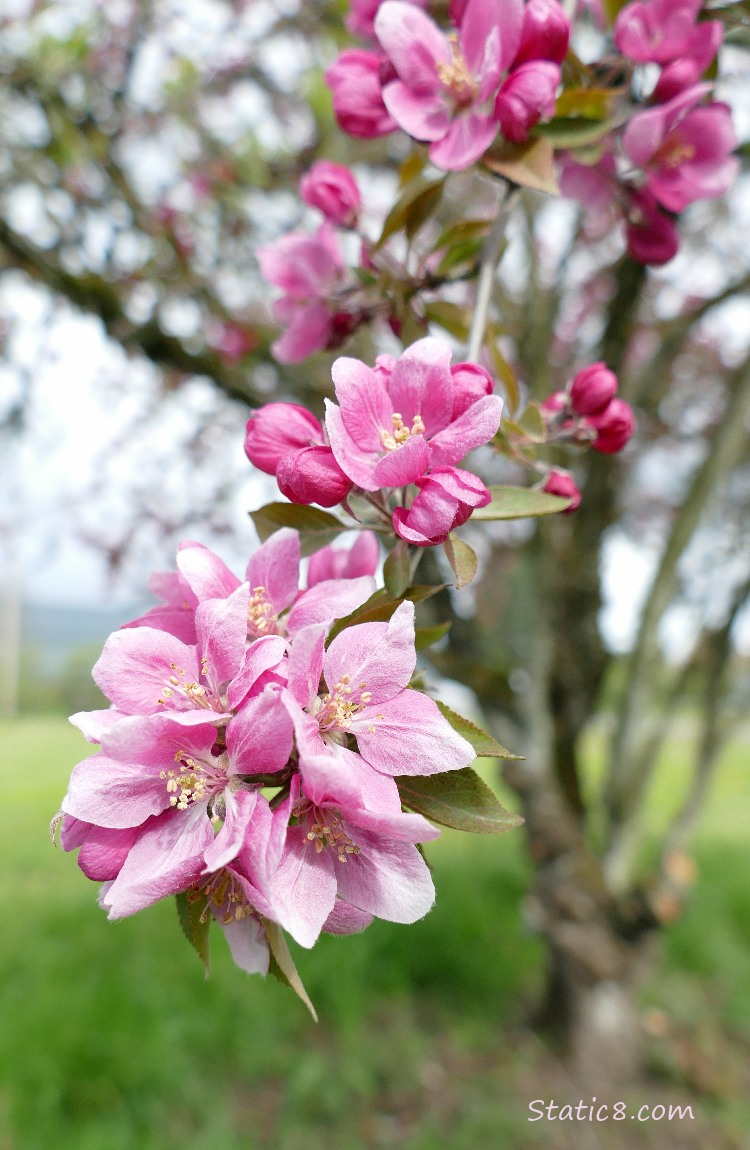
575 131
532 424
531 165
412 208
424 637
519 503
397 570
195 920
463 255
484 745
458 799
282 965
611 8
587 103
450 316
412 167
462 558
316 528
380 606
463 230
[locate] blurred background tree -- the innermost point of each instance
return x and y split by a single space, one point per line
147 150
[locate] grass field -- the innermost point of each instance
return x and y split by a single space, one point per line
111 1039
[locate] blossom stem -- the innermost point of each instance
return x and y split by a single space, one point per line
490 256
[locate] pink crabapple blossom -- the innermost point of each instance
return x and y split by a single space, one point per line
332 189
446 499
661 31
355 80
444 82
391 426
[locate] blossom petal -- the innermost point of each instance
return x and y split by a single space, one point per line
166 858
407 735
260 735
275 568
240 806
306 663
264 654
477 425
467 139
381 655
363 401
221 630
304 888
403 465
413 42
387 878
205 573
329 600
135 666
421 384
423 115
354 461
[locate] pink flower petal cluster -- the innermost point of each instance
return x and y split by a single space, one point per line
394 423
333 190
175 800
662 31
588 411
356 82
684 149
309 270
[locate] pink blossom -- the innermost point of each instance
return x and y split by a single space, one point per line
392 426
309 270
471 382
444 82
527 96
333 190
665 30
652 235
446 499
355 81
614 427
312 475
675 77
592 389
545 33
286 440
563 484
684 149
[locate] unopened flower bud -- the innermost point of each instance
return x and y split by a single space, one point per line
312 475
447 498
545 32
333 190
526 97
471 382
614 427
553 405
652 234
675 78
356 84
592 389
562 484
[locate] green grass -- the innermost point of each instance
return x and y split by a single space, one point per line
111 1039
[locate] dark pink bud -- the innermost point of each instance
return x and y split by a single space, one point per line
526 96
447 498
471 382
356 84
675 78
592 389
614 427
333 190
554 404
545 33
277 429
652 235
312 475
562 484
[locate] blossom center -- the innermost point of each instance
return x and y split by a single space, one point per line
261 618
177 687
325 829
674 152
191 782
399 433
337 709
456 77
224 893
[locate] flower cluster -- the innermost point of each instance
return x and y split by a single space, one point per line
588 411
496 70
250 768
405 422
672 152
